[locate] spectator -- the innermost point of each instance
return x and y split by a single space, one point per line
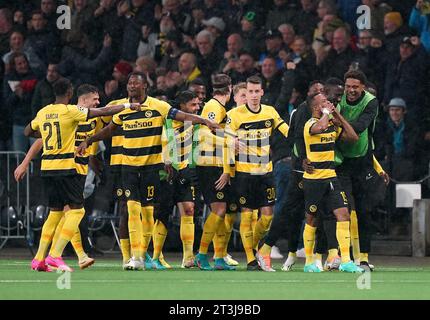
271 81
250 34
44 91
17 45
323 37
378 11
405 76
281 13
6 24
180 16
244 68
207 58
171 51
420 22
140 12
306 19
117 87
147 66
394 33
231 56
274 44
49 8
41 40
198 15
19 21
339 57
288 34
78 66
213 8
18 88
148 42
188 71
216 27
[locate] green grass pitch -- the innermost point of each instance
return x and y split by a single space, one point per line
106 280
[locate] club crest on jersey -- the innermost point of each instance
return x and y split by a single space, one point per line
233 207
242 200
301 185
313 208
268 123
82 109
119 192
127 193
211 115
228 120
220 195
148 114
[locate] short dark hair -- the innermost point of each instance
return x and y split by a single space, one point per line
254 80
61 86
138 74
197 82
314 82
85 89
221 83
311 99
356 74
39 12
185 96
333 81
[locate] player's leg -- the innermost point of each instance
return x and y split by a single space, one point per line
73 194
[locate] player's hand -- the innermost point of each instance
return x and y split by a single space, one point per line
212 125
223 180
80 151
122 8
20 172
386 177
306 164
135 106
169 169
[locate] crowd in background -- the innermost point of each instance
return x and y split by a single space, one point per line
180 44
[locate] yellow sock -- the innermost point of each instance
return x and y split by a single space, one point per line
265 250
355 240
344 239
77 245
135 228
158 238
254 219
186 231
71 225
219 240
247 235
261 228
211 225
364 257
48 231
147 226
309 242
332 253
292 254
125 249
229 220
318 256
57 234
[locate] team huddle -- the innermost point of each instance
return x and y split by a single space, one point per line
163 156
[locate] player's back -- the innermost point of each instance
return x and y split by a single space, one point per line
57 124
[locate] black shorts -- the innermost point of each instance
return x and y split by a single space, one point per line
143 187
166 202
65 190
323 196
185 185
255 191
118 190
207 176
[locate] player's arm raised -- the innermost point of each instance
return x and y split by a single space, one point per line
105 133
195 119
348 133
111 110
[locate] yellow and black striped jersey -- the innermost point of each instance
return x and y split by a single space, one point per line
179 139
85 130
117 138
254 129
320 150
211 145
57 124
142 145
